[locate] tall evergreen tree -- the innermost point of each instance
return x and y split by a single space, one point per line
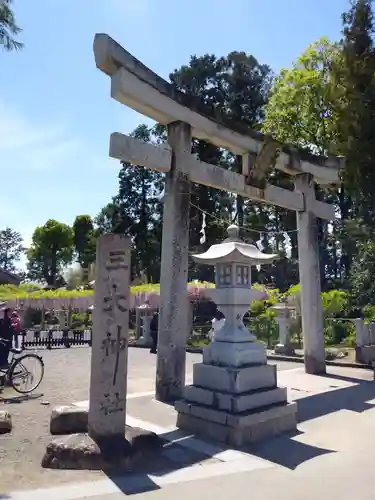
357 123
8 27
236 89
137 211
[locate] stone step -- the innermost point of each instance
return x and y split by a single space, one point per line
234 354
224 417
234 380
237 430
235 403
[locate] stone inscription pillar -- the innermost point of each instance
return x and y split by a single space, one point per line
107 410
309 276
174 317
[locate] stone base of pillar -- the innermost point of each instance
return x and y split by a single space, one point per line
236 404
314 366
284 349
144 342
82 452
365 354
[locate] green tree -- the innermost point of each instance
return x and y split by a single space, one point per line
8 27
234 89
140 204
363 270
84 240
109 219
11 248
356 127
357 120
137 211
51 250
303 109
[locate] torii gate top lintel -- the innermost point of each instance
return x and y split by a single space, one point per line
135 85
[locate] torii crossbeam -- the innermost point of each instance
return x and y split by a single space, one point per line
136 86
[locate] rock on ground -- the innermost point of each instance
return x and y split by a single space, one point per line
80 451
68 420
5 422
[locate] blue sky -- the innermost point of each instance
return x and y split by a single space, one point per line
56 114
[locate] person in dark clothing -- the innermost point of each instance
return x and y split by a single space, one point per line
6 333
154 326
16 326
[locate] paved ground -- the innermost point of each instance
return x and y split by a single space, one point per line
331 456
66 380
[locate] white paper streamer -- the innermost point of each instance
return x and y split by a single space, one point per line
259 244
288 245
202 231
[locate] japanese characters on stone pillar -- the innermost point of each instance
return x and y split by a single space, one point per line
107 408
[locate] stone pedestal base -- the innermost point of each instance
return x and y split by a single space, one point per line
248 428
365 354
284 349
143 341
236 404
80 451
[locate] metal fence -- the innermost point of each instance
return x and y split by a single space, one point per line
50 339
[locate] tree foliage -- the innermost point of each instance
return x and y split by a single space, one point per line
51 250
8 27
11 248
303 109
84 240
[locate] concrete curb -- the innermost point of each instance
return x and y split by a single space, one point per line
280 357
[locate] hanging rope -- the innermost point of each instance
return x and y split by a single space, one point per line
223 222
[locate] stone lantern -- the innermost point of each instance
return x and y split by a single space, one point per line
233 296
234 397
283 319
144 314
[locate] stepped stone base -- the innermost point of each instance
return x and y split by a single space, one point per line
251 427
234 354
233 404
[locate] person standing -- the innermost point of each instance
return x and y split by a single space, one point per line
16 325
154 327
6 333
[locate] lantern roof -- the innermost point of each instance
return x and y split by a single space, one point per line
233 249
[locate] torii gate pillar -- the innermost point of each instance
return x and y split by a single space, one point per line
309 275
174 324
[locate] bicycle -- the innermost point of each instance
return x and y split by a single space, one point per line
16 372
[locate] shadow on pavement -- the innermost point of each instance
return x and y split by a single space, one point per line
352 398
18 399
184 450
172 458
287 452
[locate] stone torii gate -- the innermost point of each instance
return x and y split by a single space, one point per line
136 86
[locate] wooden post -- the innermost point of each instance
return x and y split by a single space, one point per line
173 318
107 408
309 276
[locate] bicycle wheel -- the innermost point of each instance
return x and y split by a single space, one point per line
20 373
